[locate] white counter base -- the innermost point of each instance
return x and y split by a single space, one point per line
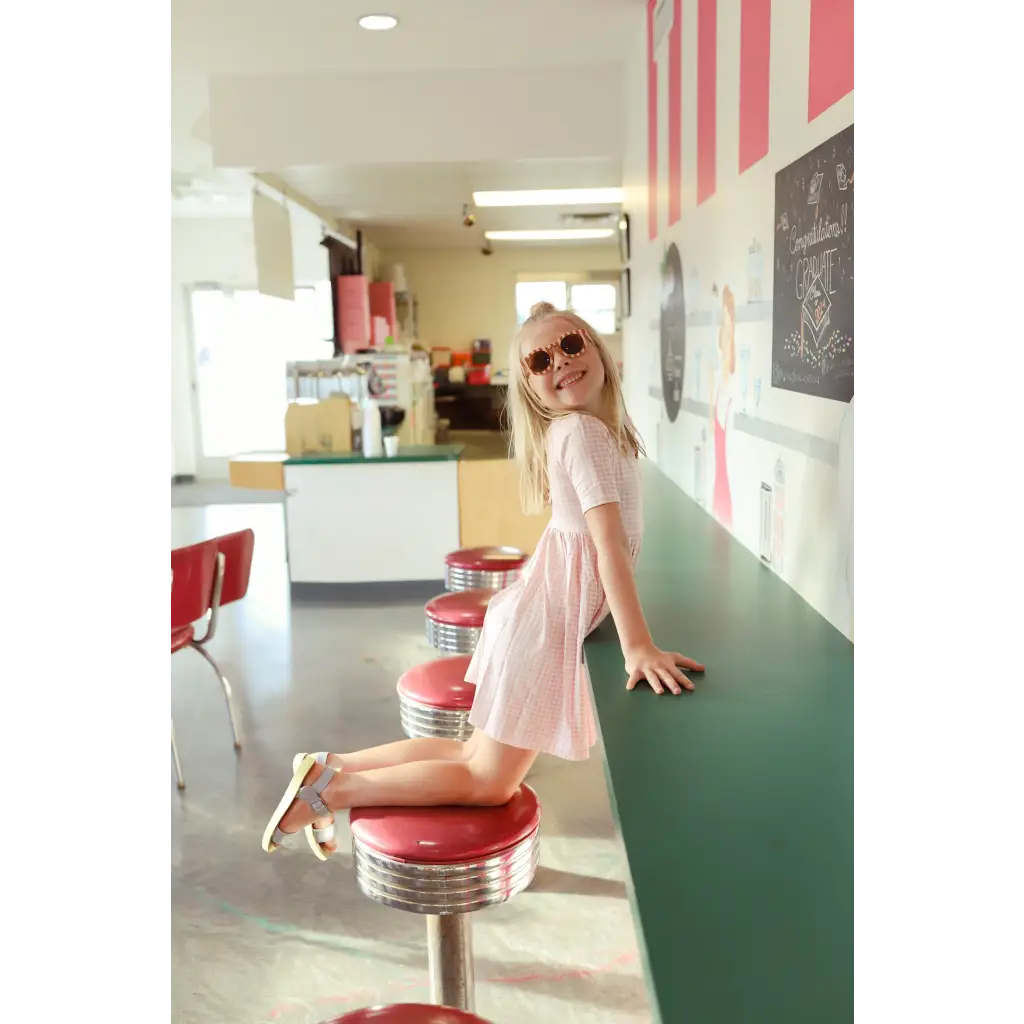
370 523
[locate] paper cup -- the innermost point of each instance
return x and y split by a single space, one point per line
391 446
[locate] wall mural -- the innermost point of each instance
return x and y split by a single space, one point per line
673 331
769 312
812 327
723 396
844 503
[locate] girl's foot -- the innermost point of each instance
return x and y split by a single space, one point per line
306 805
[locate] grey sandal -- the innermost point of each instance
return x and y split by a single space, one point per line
273 837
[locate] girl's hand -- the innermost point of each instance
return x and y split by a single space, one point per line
659 667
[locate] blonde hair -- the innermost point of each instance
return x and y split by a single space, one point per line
531 419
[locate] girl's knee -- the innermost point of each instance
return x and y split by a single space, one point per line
494 792
493 785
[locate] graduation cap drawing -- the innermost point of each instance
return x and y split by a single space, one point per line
815 191
814 310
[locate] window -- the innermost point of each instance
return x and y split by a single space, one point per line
530 292
243 343
596 304
595 301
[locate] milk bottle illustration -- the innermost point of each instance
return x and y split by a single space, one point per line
777 534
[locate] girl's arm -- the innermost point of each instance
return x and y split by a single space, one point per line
615 566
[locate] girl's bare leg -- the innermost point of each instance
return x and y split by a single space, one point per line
487 775
400 752
388 755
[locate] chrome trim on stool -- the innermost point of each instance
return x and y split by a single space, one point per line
446 888
424 721
456 579
452 639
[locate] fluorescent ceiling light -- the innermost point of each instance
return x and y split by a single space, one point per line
377 22
550 197
558 235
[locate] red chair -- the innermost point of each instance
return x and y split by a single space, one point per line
203 578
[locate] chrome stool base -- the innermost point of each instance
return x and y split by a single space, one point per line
422 721
472 579
452 639
446 893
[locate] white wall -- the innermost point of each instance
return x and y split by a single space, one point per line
220 251
464 295
713 239
459 115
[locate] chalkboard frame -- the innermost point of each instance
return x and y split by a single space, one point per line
812 309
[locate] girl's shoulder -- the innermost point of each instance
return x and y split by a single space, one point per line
577 425
579 430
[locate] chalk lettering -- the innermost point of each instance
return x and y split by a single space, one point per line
820 265
821 232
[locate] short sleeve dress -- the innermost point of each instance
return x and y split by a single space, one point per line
532 686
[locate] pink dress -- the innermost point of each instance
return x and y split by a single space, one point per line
722 502
532 686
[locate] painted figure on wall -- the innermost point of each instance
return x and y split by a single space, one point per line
844 518
721 408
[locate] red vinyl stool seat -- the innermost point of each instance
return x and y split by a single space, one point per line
408 1013
435 699
491 568
454 620
446 862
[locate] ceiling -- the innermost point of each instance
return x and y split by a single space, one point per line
421 204
255 81
280 37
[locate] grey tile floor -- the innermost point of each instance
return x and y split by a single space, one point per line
290 940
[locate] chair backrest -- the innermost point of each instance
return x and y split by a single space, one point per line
237 550
192 585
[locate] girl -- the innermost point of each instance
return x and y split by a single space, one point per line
576 448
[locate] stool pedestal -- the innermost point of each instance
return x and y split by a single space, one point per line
490 568
454 620
446 863
435 700
450 960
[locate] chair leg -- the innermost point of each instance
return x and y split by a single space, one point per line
177 762
227 692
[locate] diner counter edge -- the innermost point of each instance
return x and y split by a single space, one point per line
351 520
407 453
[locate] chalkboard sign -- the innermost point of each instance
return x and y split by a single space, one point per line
812 315
673 331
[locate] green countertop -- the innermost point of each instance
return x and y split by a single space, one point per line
406 453
735 803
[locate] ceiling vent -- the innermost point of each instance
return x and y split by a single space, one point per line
588 220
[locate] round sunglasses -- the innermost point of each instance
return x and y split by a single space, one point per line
541 360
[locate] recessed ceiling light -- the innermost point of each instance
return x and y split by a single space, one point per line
377 22
550 197
556 235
